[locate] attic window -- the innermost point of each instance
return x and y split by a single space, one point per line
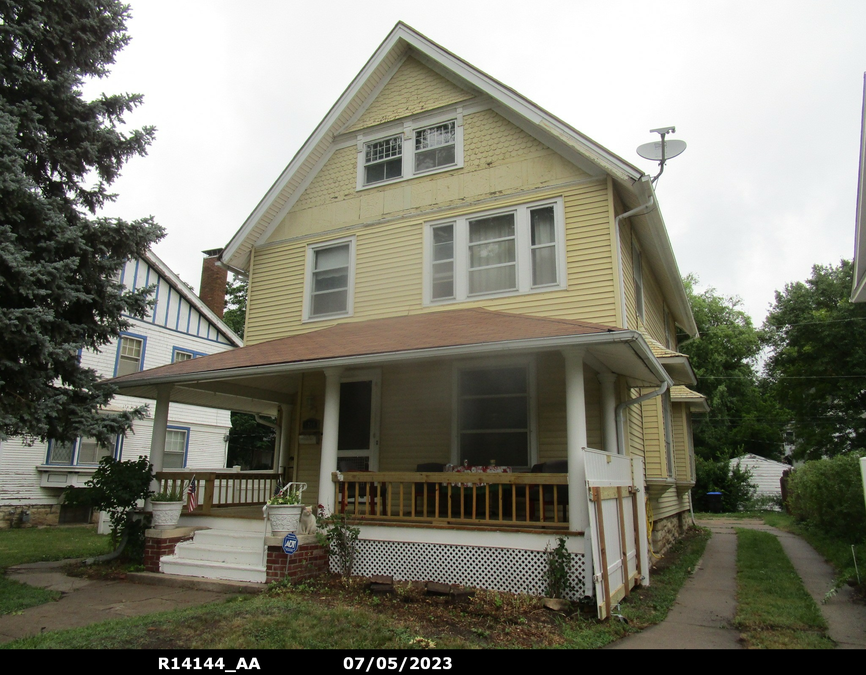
435 147
383 160
411 148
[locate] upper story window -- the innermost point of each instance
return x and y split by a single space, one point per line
179 354
419 147
515 250
330 279
383 160
435 147
130 355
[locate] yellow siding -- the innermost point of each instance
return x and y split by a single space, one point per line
499 159
653 305
635 421
669 503
681 445
414 88
389 271
654 438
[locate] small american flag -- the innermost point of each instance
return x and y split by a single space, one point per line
191 501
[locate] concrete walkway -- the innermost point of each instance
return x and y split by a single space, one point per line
702 615
86 601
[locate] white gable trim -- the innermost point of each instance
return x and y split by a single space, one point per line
175 282
236 253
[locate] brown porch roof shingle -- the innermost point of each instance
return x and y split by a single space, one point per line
450 328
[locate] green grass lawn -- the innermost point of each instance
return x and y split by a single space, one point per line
774 610
28 545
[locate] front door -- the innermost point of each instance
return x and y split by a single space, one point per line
358 440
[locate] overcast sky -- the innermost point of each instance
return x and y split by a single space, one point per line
768 96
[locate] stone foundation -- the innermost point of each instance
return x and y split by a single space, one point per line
158 543
667 530
310 560
40 515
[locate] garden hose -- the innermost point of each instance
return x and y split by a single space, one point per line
649 529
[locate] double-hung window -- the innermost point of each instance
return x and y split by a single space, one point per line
330 279
176 443
383 160
436 146
417 147
515 250
130 355
81 451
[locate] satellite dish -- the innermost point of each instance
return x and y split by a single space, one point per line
654 150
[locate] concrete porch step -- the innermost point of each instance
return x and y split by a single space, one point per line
247 541
213 552
173 564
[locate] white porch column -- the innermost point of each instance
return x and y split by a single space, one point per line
285 438
157 438
330 432
575 413
608 410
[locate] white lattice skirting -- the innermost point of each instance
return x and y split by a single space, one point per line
496 569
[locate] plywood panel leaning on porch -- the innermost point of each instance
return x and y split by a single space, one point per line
489 499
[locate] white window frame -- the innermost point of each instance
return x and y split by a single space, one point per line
408 129
184 454
523 253
312 249
495 364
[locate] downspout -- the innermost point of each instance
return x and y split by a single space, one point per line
640 399
644 208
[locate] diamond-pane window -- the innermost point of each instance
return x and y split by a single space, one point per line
383 160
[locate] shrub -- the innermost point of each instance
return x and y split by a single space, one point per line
828 494
717 475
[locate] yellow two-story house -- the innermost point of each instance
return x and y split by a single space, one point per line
463 313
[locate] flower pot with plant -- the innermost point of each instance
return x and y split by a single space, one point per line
284 509
166 507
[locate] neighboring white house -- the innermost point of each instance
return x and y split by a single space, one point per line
180 326
766 473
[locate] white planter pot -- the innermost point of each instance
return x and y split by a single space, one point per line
165 514
284 518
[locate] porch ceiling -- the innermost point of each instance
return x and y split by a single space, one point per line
259 377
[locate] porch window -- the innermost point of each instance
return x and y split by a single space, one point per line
494 416
329 280
509 251
176 443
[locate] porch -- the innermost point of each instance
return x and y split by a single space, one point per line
359 406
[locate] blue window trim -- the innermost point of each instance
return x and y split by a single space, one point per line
171 427
76 446
143 339
195 354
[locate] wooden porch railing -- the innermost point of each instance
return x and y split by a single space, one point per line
222 488
514 499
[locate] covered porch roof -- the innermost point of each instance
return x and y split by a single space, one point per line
258 378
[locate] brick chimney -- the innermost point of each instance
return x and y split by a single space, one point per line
213 282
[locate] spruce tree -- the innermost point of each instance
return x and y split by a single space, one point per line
59 260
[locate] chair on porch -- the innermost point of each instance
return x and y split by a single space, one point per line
553 466
356 493
430 506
